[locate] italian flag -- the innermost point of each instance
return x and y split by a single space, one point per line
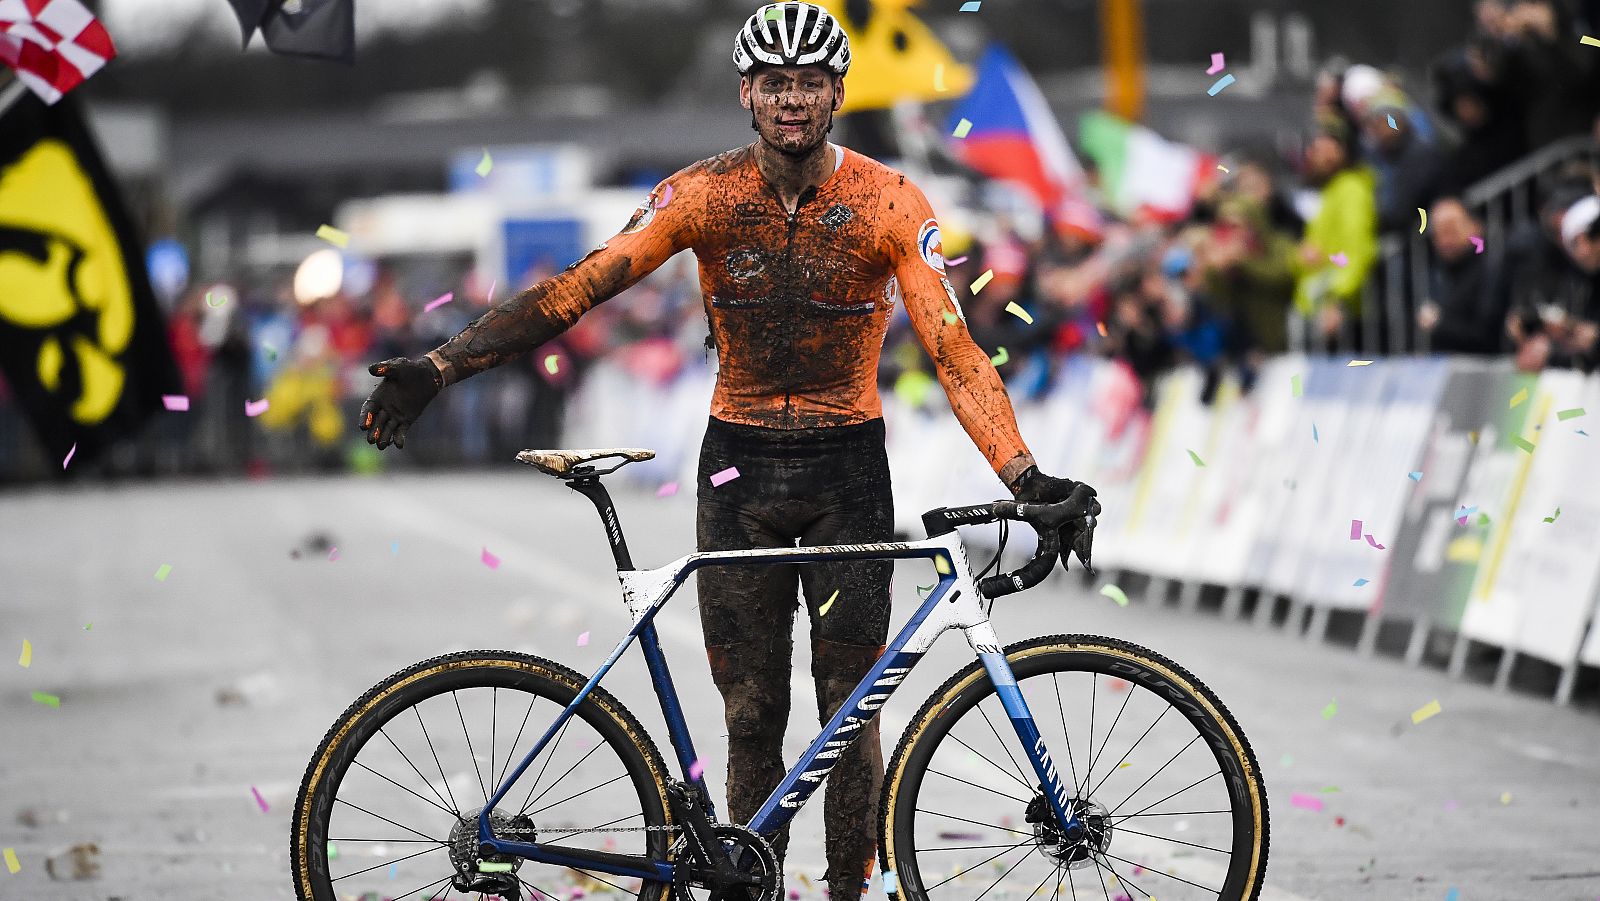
1141 173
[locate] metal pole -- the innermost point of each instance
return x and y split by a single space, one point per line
12 90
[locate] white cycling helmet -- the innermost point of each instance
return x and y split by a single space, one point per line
792 34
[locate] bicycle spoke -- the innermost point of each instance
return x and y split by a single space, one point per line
422 889
511 752
1107 777
962 848
1176 841
1122 880
392 841
1155 774
1094 681
494 728
385 863
434 751
414 769
1003 876
624 775
564 775
1157 872
1061 709
986 759
546 765
1102 873
976 785
966 870
1042 882
606 881
1175 813
1003 747
389 821
1107 743
1071 884
1171 796
471 754
404 789
973 822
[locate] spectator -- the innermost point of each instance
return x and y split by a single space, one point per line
1466 301
1407 168
1549 74
1555 325
1471 94
1341 240
1249 271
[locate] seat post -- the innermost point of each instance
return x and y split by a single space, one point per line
589 486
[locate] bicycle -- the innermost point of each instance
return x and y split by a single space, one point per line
642 832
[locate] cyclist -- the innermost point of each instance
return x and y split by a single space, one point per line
804 247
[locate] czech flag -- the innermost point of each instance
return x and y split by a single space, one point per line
1014 137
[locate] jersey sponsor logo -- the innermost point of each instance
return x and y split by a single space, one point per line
744 263
950 292
836 216
749 211
929 245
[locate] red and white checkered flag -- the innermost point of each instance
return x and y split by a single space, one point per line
52 44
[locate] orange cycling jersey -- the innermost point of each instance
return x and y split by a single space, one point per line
798 302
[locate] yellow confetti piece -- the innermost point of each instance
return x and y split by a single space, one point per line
484 165
12 864
1521 397
1001 358
1589 41
962 127
1295 388
1019 312
941 563
1427 710
1358 363
938 78
333 236
27 653
1222 168
552 363
982 280
1505 797
1424 214
1115 593
1196 458
828 604
163 571
1124 765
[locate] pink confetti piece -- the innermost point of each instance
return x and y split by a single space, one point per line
666 198
1309 802
667 490
955 262
439 301
178 403
70 452
254 408
1451 805
1355 530
1477 244
333 554
696 769
1217 64
490 560
583 640
1339 259
1373 541
724 477
259 800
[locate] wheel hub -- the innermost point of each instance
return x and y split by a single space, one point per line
1074 848
465 853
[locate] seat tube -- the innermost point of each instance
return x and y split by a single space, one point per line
1044 767
672 712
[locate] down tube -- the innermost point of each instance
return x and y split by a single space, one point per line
1005 685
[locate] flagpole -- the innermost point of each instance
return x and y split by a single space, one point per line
12 91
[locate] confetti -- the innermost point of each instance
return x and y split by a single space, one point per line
1101 328
1392 122
666 198
924 590
1124 765
439 301
1589 41
1019 312
1521 397
27 653
938 78
1355 530
828 604
47 700
333 554
12 865
981 281
489 559
941 565
1309 802
1358 363
1339 259
1414 476
270 351
70 452
394 548
484 165
552 363
1546 519
1477 243
1331 710
1196 458
1314 437
1359 583
1001 358
1483 519
971 6
1453 894
218 303
962 127
254 408
1430 709
163 571
667 490
88 626
1573 413
1505 797
177 403
1523 443
955 262
1115 593
1222 168
1222 82
333 236
1296 389
1217 64
1373 541
259 800
583 640
1583 433
1463 513
718 479
696 769
1424 214
949 318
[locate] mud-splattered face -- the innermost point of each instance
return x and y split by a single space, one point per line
792 107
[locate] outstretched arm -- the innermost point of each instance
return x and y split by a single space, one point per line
550 307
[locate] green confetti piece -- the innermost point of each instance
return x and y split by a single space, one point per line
484 165
1483 519
1331 710
1523 443
1001 358
1330 789
1521 397
333 851
1196 458
1286 760
488 866
1573 413
1426 711
47 700
828 604
552 363
949 318
962 127
1555 517
924 591
1116 594
1295 387
1019 312
88 626
163 571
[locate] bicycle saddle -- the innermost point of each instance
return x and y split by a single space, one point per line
561 463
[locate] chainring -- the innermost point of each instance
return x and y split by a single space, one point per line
752 854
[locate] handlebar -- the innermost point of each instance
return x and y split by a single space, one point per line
1046 519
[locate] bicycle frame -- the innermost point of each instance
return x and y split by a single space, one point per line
954 603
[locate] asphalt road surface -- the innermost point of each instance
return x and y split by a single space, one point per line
178 697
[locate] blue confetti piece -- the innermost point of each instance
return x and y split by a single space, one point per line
1583 433
1360 582
1314 433
1392 123
1453 895
394 548
971 6
1222 82
1415 476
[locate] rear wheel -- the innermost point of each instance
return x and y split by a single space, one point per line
1160 774
390 801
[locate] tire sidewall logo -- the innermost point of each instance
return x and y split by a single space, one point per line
929 245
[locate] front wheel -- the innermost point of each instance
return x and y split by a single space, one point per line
1161 776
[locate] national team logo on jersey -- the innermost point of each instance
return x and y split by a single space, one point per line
836 216
744 263
929 246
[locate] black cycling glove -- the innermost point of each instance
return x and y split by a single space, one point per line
407 387
1077 533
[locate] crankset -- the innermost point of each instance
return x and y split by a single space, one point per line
732 863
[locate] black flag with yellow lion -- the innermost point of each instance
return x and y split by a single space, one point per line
83 347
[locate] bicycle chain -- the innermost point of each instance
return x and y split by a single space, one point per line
618 829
